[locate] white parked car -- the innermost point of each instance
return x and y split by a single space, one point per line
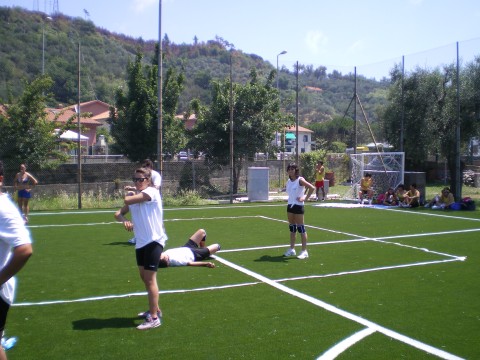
182 155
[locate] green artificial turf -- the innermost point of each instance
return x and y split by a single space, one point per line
412 272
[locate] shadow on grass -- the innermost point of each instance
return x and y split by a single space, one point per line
98 324
124 243
269 258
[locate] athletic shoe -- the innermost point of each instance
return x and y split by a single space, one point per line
146 314
369 202
303 255
290 252
132 241
149 323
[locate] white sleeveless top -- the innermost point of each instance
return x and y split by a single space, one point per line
295 190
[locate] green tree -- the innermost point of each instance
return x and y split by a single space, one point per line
256 117
26 134
134 123
430 113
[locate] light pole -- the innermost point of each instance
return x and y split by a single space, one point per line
276 135
43 44
282 53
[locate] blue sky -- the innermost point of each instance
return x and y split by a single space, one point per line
340 34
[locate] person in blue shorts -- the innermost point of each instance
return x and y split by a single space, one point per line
24 183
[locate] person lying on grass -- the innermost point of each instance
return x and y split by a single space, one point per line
190 254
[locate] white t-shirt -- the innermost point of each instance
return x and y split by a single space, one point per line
147 218
180 256
13 233
295 190
156 178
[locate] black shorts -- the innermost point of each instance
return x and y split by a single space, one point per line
3 314
364 192
148 256
198 252
296 209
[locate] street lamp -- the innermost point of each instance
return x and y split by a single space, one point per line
43 44
282 53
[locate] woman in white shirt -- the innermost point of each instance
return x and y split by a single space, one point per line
145 205
296 186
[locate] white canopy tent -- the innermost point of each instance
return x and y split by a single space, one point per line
71 135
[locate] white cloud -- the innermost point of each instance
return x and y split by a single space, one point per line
316 41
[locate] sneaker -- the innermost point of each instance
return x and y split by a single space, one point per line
427 205
149 323
290 252
369 202
146 314
303 255
132 241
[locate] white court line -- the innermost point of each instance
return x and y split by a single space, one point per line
369 324
107 297
361 271
339 348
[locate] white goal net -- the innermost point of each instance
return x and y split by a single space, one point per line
386 168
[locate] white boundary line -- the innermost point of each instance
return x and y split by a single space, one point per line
339 348
368 324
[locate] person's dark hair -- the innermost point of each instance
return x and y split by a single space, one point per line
401 186
147 163
1 168
294 166
145 172
162 263
414 185
368 175
447 189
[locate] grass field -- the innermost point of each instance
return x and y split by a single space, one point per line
379 284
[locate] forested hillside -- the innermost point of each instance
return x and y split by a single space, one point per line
33 43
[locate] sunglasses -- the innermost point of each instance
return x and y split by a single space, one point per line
138 179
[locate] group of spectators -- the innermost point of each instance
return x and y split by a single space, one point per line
402 197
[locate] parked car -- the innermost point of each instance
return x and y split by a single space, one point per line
182 155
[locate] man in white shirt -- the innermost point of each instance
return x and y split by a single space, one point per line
15 250
190 254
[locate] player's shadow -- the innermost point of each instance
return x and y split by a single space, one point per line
269 258
122 243
98 324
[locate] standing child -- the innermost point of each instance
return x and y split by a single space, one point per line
145 204
296 208
320 180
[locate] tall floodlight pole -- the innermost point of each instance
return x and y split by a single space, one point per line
297 156
283 135
231 127
79 145
458 169
160 91
43 43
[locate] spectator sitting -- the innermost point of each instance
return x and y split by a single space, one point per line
390 198
442 201
400 194
412 197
